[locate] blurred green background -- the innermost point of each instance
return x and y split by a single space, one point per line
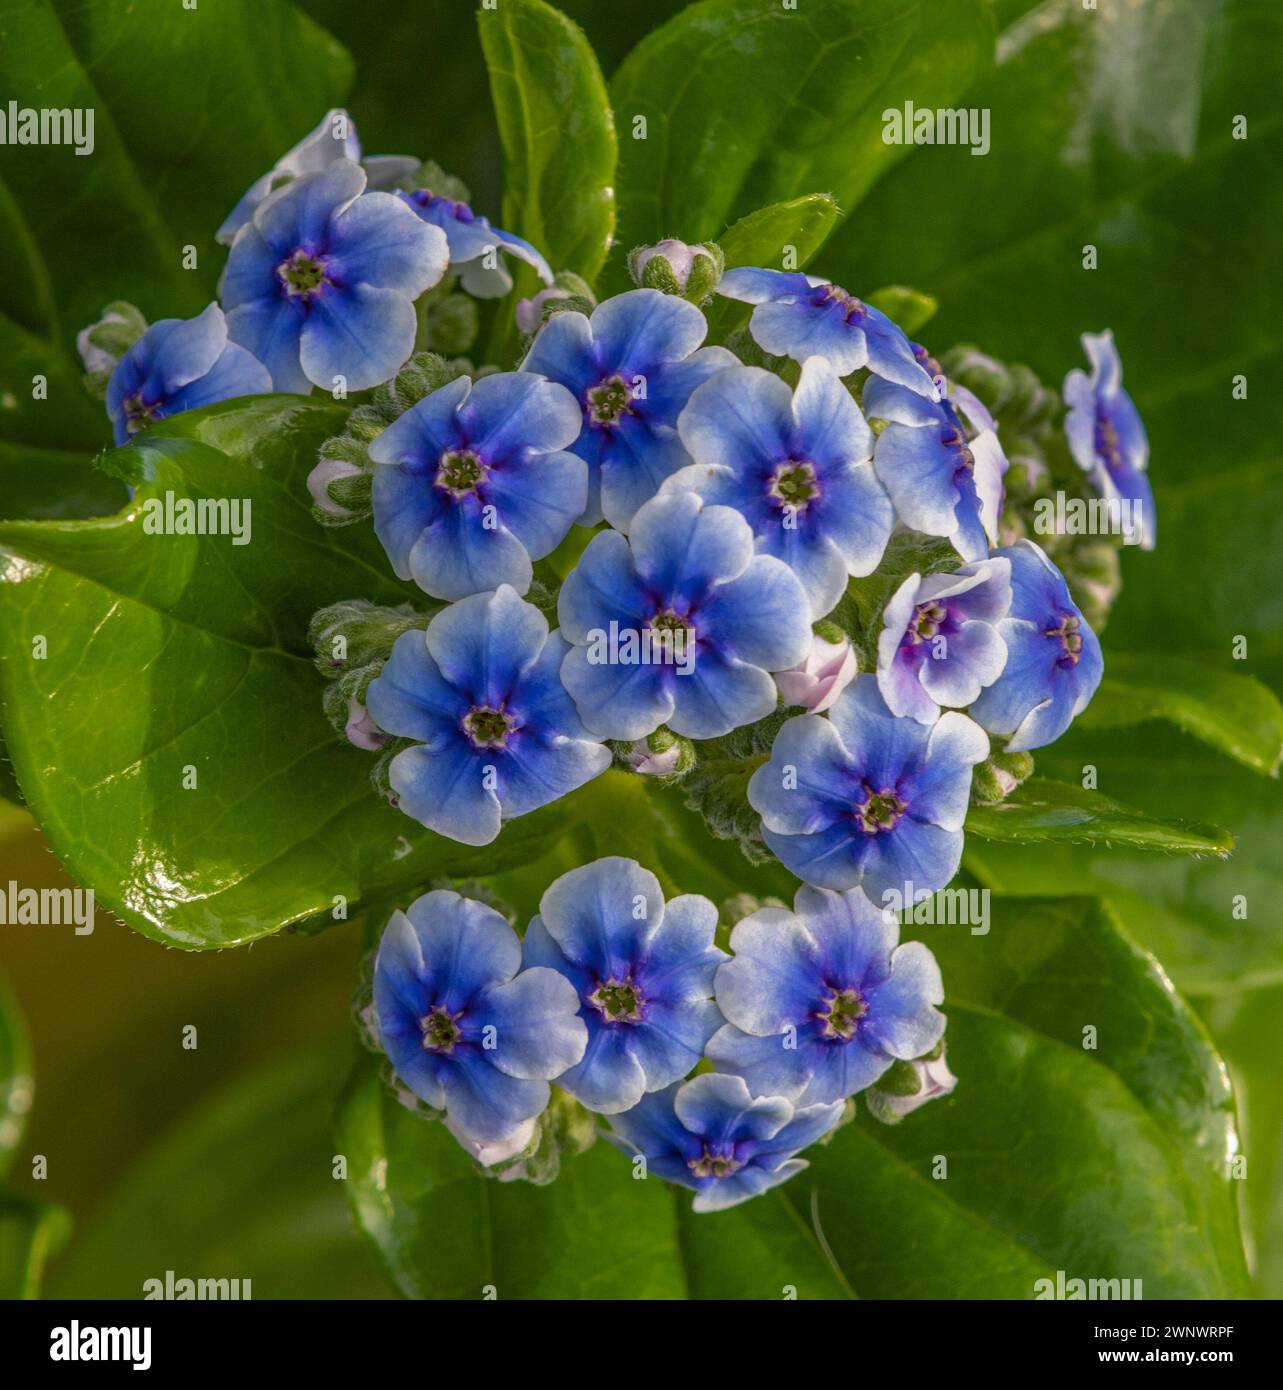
1112 129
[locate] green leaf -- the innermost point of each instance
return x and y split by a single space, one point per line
444 1231
157 181
1249 1030
30 1232
748 104
1061 812
1106 1162
254 1169
558 134
1211 921
1233 713
1118 1167
911 309
174 652
17 1086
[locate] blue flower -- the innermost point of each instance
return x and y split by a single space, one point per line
177 365
939 643
643 972
1105 432
467 1030
796 465
679 625
865 799
475 244
711 1135
472 484
334 138
632 366
1054 662
821 1000
942 464
800 316
322 282
495 733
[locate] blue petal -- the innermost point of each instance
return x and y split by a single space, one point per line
753 286
721 1110
741 419
766 1065
444 789
236 373
591 912
609 1079
465 946
720 694
410 697
902 1019
681 546
632 332
379 241
604 585
487 1104
763 617
940 789
270 328
563 351
457 555
538 1033
512 412
774 977
825 779
360 333
486 643
617 701
299 214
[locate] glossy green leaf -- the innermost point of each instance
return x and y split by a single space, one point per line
158 181
1235 714
1043 810
748 104
1105 1162
174 652
17 1086
1211 921
558 135
1249 1031
1105 1155
444 1231
255 1197
30 1232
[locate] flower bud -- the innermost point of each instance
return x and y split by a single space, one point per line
676 268
567 291
815 683
350 635
998 776
103 344
340 489
661 754
908 1085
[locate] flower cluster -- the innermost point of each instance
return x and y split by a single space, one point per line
803 572
618 996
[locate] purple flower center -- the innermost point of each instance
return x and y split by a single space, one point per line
609 401
303 275
714 1163
879 811
1069 637
140 412
425 198
927 362
1107 442
459 472
841 1014
794 484
618 1001
964 460
927 620
853 310
487 726
440 1029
